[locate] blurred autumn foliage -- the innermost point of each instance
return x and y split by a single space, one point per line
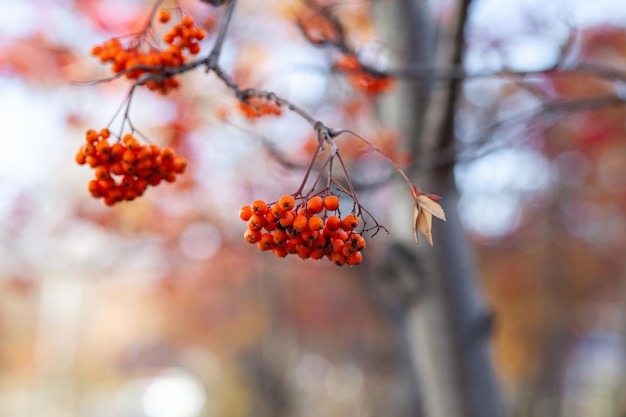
109 311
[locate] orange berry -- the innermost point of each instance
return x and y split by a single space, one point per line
341 235
333 223
300 223
179 164
95 188
168 153
337 258
128 168
286 202
127 182
103 147
281 253
89 149
287 219
104 133
259 207
116 168
92 161
130 195
315 204
349 222
354 259
140 185
276 211
331 202
245 213
91 136
280 237
129 156
252 236
337 245
266 242
131 142
304 252
315 223
348 250
269 226
117 150
358 241
187 21
102 172
309 235
80 158
194 48
170 177
164 16
199 34
256 222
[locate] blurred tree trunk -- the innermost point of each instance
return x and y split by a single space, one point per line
444 320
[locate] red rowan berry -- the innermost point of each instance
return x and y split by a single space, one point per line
354 259
256 222
140 185
349 222
286 202
117 168
276 211
130 195
281 253
315 204
259 207
252 236
331 202
245 213
287 219
89 149
309 235
117 150
80 158
333 223
168 153
337 258
315 223
266 242
194 48
164 16
179 164
92 161
103 147
91 136
300 223
129 156
280 237
127 182
358 241
102 172
187 21
95 188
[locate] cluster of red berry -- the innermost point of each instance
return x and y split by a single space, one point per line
124 169
286 229
362 78
182 38
257 107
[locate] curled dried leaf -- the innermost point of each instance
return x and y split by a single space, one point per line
428 204
423 211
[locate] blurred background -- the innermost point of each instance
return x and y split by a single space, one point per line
159 308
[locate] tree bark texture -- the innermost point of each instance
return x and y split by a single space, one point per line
445 321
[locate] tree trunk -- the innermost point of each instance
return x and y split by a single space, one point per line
445 321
